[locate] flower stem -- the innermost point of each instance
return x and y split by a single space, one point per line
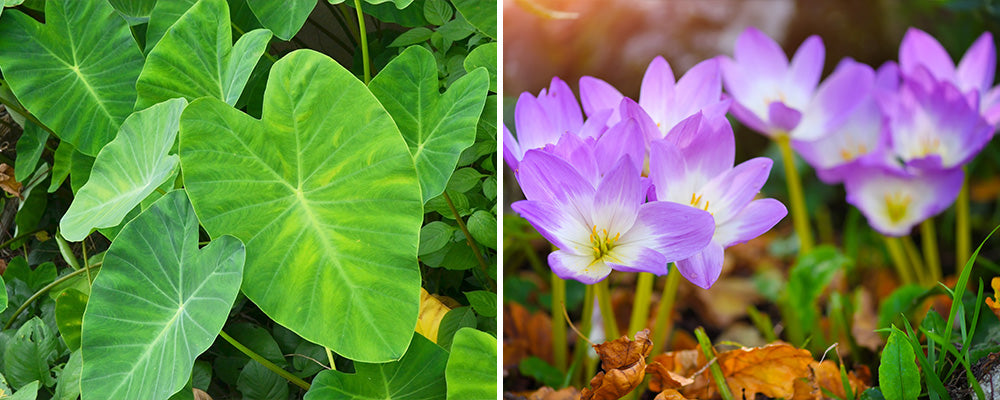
558 322
364 42
640 303
607 312
706 347
799 214
664 322
263 361
963 233
928 240
915 260
898 257
45 289
580 350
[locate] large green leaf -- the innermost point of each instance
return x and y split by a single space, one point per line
196 57
28 392
436 126
284 18
68 386
472 366
481 14
29 353
126 171
324 194
69 314
170 297
76 73
163 16
418 375
29 150
3 296
134 8
400 4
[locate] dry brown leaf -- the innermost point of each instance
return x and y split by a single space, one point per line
683 363
624 365
525 334
994 303
771 370
670 394
432 311
7 181
827 376
805 390
665 378
547 393
201 395
865 321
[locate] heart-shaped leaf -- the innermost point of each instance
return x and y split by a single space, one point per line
324 194
418 375
29 353
472 366
481 14
196 58
134 8
126 171
436 126
163 16
284 18
169 296
63 82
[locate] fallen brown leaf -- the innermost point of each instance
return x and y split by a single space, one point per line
771 370
670 394
665 378
624 365
827 376
865 321
7 181
201 395
994 303
525 334
547 393
683 363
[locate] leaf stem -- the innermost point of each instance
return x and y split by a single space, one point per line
19 237
607 312
364 42
640 303
42 291
799 214
329 356
664 322
898 259
263 361
558 322
963 233
465 230
706 347
928 240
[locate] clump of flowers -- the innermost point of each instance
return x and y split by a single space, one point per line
637 185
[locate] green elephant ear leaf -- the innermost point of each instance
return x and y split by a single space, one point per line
418 375
481 14
63 82
134 8
28 355
171 297
324 193
163 16
196 58
284 18
437 127
472 366
126 171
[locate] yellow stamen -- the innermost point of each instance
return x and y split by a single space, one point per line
896 206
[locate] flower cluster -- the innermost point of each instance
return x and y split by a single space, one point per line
637 185
897 137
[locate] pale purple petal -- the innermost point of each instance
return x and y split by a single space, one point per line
727 194
556 226
807 64
534 129
582 268
511 150
633 258
920 48
667 171
887 77
701 86
618 197
749 118
546 177
596 124
756 218
561 106
709 149
675 230
597 95
783 117
759 54
630 109
657 92
978 66
579 153
835 99
623 139
703 268
895 202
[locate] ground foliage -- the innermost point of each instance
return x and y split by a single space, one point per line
229 199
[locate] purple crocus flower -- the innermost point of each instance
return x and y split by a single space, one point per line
607 227
776 97
542 120
932 125
973 76
693 166
666 101
894 201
